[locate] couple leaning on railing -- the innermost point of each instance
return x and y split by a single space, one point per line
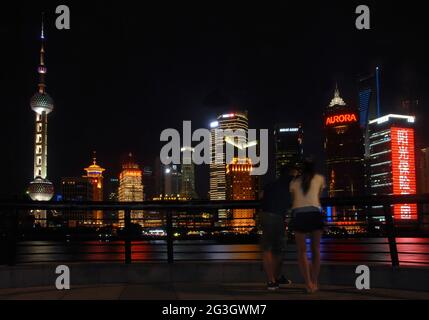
298 191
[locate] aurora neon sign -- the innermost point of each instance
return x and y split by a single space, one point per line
403 170
341 119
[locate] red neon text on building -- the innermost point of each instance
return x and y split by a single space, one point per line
341 118
403 170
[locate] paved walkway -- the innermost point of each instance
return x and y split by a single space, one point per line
204 291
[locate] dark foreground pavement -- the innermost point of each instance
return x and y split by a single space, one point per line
203 291
243 280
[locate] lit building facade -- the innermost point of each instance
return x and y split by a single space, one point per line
241 185
186 223
288 145
77 189
41 189
233 121
94 174
187 188
131 189
392 161
344 158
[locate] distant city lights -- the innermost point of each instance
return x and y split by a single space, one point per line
410 119
289 130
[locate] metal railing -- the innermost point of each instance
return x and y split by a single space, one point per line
13 236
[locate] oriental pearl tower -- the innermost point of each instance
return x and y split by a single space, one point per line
41 189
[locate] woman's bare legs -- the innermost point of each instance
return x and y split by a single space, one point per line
315 257
302 260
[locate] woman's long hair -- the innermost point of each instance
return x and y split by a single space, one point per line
307 175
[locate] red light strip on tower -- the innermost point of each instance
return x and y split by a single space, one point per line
404 171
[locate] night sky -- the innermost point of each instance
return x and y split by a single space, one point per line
123 73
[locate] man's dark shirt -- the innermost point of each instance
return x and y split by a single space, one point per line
276 197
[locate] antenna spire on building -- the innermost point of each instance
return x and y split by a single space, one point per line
41 70
94 157
42 33
337 100
337 91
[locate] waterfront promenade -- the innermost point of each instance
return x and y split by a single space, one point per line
243 280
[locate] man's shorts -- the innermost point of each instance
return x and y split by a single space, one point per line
273 232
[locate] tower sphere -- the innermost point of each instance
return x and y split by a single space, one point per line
42 102
40 189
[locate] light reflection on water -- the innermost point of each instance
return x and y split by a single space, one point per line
411 250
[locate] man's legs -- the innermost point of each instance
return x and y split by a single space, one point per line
280 246
268 237
277 264
269 265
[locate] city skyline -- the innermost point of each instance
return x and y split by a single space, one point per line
236 152
95 113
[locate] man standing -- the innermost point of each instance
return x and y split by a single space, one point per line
276 201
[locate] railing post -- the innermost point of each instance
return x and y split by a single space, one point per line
390 229
169 228
127 223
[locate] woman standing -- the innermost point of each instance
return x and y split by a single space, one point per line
306 190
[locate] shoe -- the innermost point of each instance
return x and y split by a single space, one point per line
283 281
310 290
272 286
316 287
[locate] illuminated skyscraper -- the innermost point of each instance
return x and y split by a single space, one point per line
392 161
344 148
41 189
369 102
131 188
344 156
94 174
288 145
233 121
240 185
187 189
